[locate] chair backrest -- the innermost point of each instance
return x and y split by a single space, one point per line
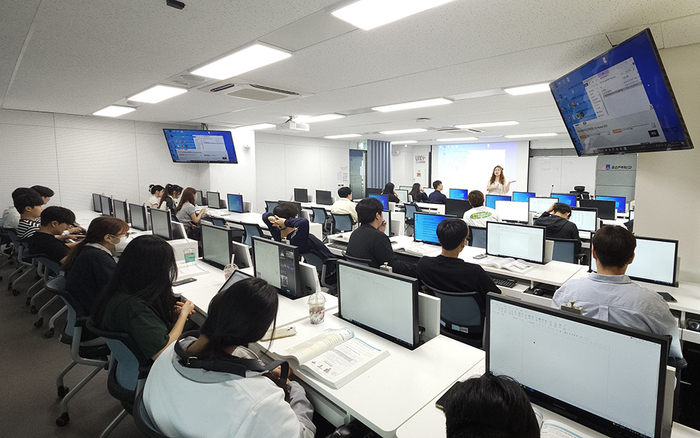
53 268
143 420
478 237
410 211
319 215
564 250
12 234
270 206
358 260
313 258
57 286
343 222
250 231
460 312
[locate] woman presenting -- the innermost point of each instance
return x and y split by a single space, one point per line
497 184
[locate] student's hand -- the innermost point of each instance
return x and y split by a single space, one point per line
75 230
511 182
277 372
277 221
179 306
551 209
186 308
382 227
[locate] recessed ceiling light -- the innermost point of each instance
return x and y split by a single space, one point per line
405 142
403 131
321 118
457 139
487 125
333 137
412 105
257 127
528 89
368 14
157 94
114 111
242 61
549 134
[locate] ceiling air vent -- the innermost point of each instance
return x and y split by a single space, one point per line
473 131
222 88
274 90
260 93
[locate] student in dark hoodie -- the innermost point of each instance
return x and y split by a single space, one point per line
557 224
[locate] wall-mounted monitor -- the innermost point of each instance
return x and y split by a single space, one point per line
620 202
301 195
121 210
139 219
522 196
96 203
106 202
384 199
522 242
606 209
425 227
456 207
190 146
278 264
512 211
235 203
213 199
565 198
621 102
458 193
491 200
654 261
324 197
217 245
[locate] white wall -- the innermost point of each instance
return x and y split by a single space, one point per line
236 178
667 182
402 165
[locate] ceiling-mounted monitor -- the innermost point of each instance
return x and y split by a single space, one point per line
621 102
200 146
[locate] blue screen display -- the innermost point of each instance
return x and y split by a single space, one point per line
491 200
200 146
458 193
384 199
567 199
522 196
621 102
620 202
426 227
235 203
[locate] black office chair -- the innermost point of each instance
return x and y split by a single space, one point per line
580 192
270 206
341 222
250 231
327 269
358 260
143 420
477 237
321 217
564 250
461 315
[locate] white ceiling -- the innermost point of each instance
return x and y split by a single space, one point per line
79 56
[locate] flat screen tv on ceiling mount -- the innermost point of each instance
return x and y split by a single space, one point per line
621 102
200 146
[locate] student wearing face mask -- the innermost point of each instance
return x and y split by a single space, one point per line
90 264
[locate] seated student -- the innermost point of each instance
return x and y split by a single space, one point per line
610 295
557 224
54 221
10 216
437 197
29 205
417 193
489 407
187 213
156 195
45 193
479 214
90 263
284 224
205 399
138 300
172 192
344 204
390 193
368 241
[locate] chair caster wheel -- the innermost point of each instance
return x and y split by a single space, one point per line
62 420
15 292
39 322
62 391
49 333
34 310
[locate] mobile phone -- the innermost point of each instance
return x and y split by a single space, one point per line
184 281
480 256
668 297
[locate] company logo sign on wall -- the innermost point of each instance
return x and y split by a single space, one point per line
616 167
421 159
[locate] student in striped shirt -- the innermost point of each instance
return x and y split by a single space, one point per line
29 205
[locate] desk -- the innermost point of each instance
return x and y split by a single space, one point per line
256 218
310 205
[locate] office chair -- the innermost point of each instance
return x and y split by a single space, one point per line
25 263
92 353
341 222
51 270
411 210
322 267
461 315
564 250
270 206
250 231
358 260
143 420
580 192
478 237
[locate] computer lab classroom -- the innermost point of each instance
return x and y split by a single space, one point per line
324 94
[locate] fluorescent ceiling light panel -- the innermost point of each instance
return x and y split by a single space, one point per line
368 14
412 105
549 134
405 142
157 94
257 127
242 61
403 131
334 137
114 111
529 89
321 118
458 139
487 125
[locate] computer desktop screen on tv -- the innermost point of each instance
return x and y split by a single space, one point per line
235 203
458 193
200 146
384 199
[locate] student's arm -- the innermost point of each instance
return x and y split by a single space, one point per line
196 217
301 239
273 229
176 331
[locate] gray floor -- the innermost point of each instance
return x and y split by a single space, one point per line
29 366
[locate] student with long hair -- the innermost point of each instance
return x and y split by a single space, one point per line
497 184
139 300
187 214
156 195
171 193
390 193
417 193
90 263
192 391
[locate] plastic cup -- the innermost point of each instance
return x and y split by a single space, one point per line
317 308
190 255
228 270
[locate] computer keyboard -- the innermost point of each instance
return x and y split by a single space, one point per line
337 245
503 281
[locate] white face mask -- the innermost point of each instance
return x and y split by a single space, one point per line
121 245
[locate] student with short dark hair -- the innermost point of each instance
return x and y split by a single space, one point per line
45 193
54 221
368 241
11 216
557 223
29 205
344 204
284 224
437 197
610 295
479 214
489 406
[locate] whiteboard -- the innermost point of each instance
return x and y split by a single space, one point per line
562 172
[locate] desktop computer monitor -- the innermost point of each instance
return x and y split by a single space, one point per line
120 211
458 193
106 203
605 376
522 196
566 198
654 261
139 219
241 254
540 205
96 203
620 202
234 278
235 203
586 219
213 199
374 191
386 215
384 200
512 211
491 200
201 200
428 190
606 209
425 227
323 197
278 264
456 207
402 194
301 195
217 245
161 223
379 301
523 242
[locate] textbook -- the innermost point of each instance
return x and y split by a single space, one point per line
335 356
555 429
508 263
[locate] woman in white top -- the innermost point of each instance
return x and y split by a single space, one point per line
497 184
203 386
156 193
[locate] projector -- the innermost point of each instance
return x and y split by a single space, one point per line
293 126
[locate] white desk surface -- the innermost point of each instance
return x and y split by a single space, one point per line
310 205
84 217
392 391
440 208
